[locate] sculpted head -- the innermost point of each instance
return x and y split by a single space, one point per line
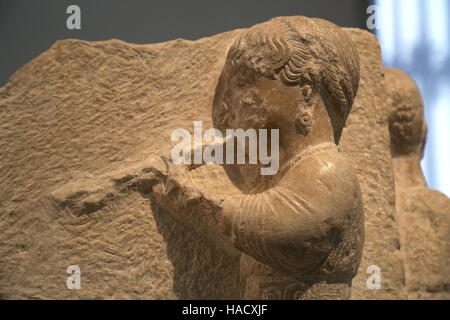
406 121
295 74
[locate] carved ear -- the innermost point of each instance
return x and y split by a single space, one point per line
307 92
304 118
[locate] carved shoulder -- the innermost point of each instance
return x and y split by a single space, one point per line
312 221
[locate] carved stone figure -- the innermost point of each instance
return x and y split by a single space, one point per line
423 214
301 230
83 128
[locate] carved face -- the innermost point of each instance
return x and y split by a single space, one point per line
252 101
246 100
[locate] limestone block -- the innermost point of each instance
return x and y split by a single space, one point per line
80 127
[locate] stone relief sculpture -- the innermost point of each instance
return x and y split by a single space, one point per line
300 231
87 178
423 214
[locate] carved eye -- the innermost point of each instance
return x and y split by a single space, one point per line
250 98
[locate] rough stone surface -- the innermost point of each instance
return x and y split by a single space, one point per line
75 123
78 127
366 142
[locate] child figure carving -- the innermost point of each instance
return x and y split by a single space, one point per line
300 232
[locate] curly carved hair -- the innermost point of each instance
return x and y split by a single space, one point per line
300 51
406 121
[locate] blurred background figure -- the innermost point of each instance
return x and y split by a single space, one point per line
415 37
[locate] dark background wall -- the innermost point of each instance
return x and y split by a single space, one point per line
28 28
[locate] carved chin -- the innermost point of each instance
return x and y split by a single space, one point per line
301 127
